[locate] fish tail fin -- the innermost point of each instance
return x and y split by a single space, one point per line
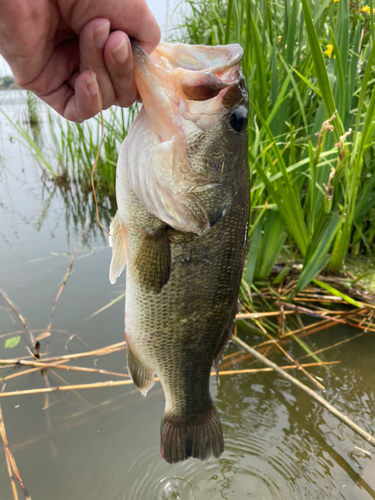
142 376
198 437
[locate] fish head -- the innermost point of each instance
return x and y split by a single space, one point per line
195 107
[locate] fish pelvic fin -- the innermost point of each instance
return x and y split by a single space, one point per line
142 376
153 261
198 437
117 241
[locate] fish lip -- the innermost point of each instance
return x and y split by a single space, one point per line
140 56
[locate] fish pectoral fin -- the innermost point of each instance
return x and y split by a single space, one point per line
142 376
153 261
117 241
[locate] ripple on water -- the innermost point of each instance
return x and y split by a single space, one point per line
277 447
175 488
190 480
159 480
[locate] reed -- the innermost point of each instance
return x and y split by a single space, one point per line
309 68
70 148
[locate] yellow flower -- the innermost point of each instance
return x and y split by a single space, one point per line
329 49
366 9
336 1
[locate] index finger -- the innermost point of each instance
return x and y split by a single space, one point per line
130 16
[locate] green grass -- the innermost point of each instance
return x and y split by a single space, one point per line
308 194
65 153
68 152
313 186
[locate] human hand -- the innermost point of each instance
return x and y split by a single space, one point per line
52 46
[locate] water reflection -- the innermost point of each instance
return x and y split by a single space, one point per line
79 208
105 442
73 193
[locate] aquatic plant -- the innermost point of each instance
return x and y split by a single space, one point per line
309 68
32 109
69 149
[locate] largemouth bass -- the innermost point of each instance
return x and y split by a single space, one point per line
182 192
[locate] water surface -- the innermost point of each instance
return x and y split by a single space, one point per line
103 443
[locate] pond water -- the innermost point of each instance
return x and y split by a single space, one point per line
103 443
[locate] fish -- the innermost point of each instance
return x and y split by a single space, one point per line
182 190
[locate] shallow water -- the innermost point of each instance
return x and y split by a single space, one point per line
279 444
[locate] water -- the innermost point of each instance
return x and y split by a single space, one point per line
279 443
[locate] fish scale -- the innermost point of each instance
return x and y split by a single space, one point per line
181 285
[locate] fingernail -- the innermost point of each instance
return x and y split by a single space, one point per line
101 35
91 86
120 53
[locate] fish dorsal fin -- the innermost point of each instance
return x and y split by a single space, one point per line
118 243
153 261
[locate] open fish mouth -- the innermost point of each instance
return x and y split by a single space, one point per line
175 82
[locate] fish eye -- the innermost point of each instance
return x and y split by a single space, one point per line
238 120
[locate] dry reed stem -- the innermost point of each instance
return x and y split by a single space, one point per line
287 367
346 420
111 383
64 359
9 453
320 325
22 373
4 296
281 321
233 354
304 310
260 315
74 392
11 476
102 351
369 318
316 382
66 277
39 364
334 345
35 330
76 387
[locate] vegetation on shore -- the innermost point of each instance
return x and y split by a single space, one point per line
310 71
7 83
310 68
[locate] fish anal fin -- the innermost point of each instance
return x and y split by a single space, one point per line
117 241
153 261
142 376
199 437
